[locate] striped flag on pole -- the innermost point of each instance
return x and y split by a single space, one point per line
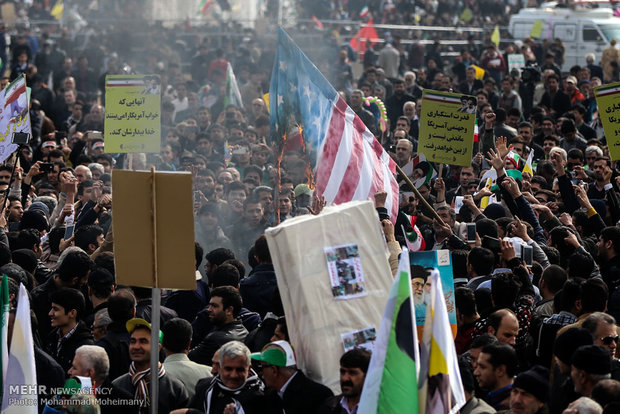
441 388
4 325
348 162
233 96
21 374
391 382
527 168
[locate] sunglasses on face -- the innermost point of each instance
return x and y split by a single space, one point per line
609 339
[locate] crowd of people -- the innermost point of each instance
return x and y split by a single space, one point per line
532 337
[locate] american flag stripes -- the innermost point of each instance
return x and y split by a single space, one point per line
348 162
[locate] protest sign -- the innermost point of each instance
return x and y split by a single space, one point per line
317 318
132 120
537 28
421 265
608 101
516 61
154 229
447 127
14 115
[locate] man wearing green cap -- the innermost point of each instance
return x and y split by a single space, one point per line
292 391
136 384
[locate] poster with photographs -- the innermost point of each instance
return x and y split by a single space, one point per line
364 338
345 272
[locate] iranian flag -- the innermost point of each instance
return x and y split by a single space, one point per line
4 325
514 158
415 241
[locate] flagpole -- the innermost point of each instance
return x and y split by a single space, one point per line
419 196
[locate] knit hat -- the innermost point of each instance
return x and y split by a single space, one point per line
495 211
592 359
535 381
569 341
39 206
33 220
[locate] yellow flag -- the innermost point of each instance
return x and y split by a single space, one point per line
58 10
467 15
266 99
479 72
495 36
527 168
537 28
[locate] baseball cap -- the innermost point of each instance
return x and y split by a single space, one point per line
132 324
302 189
284 356
571 79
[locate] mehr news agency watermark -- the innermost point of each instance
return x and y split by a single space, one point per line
28 395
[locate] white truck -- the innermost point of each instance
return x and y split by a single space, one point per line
583 30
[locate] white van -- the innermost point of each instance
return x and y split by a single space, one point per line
583 30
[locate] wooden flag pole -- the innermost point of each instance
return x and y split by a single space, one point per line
419 196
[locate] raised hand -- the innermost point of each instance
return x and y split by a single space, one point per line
501 145
495 159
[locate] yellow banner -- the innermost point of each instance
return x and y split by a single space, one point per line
133 118
447 127
608 101
537 28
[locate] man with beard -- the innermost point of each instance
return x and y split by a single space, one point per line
353 369
608 247
205 183
555 101
602 176
224 308
394 104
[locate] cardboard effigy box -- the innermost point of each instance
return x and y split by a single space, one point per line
334 278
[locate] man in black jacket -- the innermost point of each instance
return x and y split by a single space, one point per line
609 256
121 308
257 289
292 391
353 368
68 331
235 383
73 273
224 307
136 384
